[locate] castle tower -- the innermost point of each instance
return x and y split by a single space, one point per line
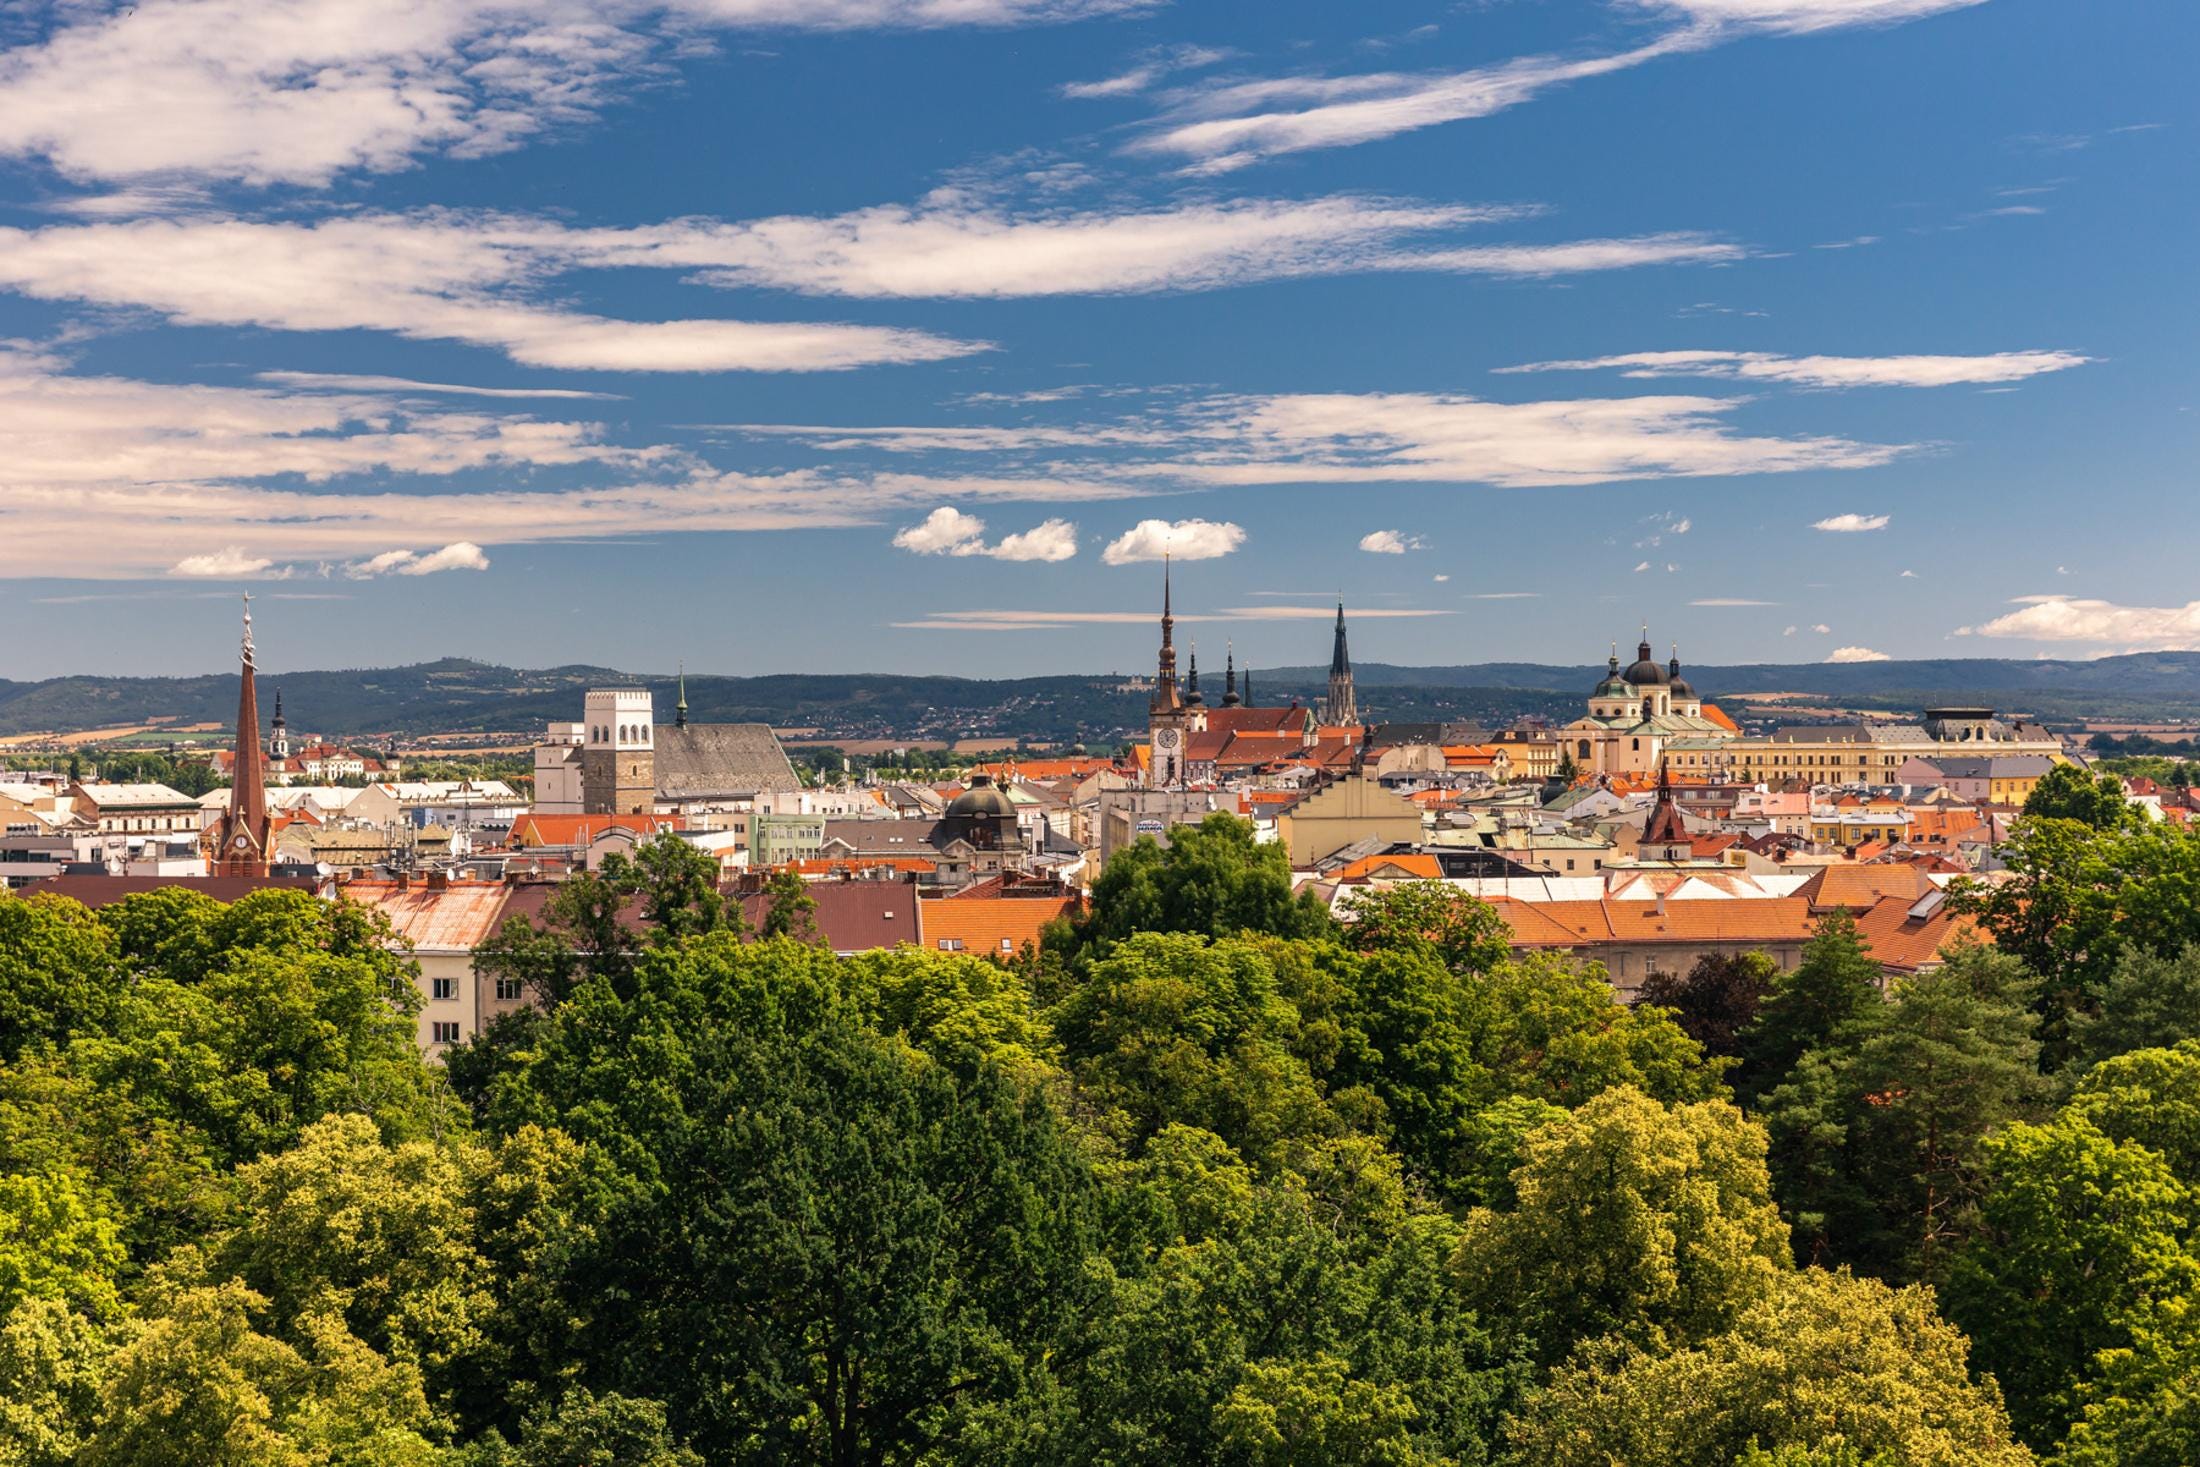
618 753
243 833
1343 707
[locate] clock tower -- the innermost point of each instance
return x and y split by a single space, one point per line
1168 718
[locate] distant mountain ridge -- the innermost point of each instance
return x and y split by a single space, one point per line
459 695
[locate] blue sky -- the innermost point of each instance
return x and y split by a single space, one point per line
822 335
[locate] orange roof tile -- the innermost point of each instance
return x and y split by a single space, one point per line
579 830
1569 924
989 926
1415 865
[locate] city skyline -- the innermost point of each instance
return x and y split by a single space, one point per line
910 335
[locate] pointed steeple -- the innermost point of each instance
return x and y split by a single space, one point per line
1229 676
1166 698
1343 707
680 709
1665 829
244 828
1191 682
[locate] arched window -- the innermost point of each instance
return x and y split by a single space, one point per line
1584 749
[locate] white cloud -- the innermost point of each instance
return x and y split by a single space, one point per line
362 382
1439 580
164 475
1390 542
1787 631
1794 17
427 277
1856 654
309 89
1822 629
2073 619
1230 125
458 555
1824 371
1181 540
949 531
230 560
1574 257
1049 540
1852 524
1908 575
941 532
1641 566
1427 438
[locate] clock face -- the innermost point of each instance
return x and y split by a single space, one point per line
243 842
1166 738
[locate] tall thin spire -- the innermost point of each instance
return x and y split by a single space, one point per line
1166 698
1343 707
680 709
1191 681
244 828
1229 676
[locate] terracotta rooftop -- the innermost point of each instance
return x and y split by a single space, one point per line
990 926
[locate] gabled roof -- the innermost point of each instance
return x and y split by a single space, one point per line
853 916
1571 924
720 761
456 918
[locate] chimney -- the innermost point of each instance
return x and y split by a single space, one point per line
439 880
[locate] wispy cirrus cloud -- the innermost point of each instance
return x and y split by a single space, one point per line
307 90
487 279
1231 124
1825 371
1852 524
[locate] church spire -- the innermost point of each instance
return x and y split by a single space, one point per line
1343 706
243 830
680 709
1229 676
1191 681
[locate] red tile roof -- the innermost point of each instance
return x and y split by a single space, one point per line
990 926
579 830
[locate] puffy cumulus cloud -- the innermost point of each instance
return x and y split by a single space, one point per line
949 531
1823 371
941 532
1178 540
1822 629
1230 124
1430 438
304 91
1852 524
1390 542
428 277
2076 619
458 555
1049 541
230 560
1856 654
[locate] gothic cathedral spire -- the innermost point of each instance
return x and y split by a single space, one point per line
1343 707
243 831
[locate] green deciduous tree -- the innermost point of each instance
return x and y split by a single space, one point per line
1715 1001
1312 1413
1652 1224
2151 1096
1818 1358
59 972
1213 878
52 1361
1462 932
2081 1234
2067 792
57 1243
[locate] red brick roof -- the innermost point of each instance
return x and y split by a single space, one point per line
579 830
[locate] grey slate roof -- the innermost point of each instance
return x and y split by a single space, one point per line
706 761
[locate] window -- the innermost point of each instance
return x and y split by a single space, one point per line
1008 945
507 989
951 944
442 1032
446 988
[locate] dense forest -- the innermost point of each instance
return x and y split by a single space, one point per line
456 695
1206 1177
